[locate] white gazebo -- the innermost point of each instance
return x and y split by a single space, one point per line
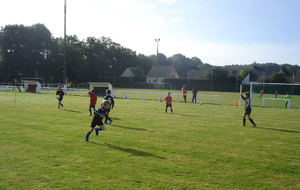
101 87
32 86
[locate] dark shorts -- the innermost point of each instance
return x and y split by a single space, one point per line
92 106
96 121
247 111
168 105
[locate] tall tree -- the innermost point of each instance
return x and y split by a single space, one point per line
24 50
278 77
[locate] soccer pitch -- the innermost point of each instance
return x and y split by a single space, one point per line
197 147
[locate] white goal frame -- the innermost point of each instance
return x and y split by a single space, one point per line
282 99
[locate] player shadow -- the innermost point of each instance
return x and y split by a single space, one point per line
133 151
186 115
282 130
115 118
132 128
75 111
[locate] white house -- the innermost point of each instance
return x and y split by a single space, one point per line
158 73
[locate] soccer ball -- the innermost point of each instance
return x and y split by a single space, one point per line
200 103
57 96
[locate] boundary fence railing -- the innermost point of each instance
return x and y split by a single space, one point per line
177 97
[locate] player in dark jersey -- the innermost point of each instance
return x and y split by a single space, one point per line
60 95
99 114
247 108
112 104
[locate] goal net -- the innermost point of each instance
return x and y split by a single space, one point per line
274 95
165 86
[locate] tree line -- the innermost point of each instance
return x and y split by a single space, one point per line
31 51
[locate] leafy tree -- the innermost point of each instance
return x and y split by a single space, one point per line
139 72
162 60
183 64
24 50
217 74
285 71
94 58
145 62
75 64
278 77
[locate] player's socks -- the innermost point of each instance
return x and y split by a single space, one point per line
87 136
97 130
251 120
244 122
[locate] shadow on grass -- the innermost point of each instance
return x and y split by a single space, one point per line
133 151
131 128
282 130
75 111
186 115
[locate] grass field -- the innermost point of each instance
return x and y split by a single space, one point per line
197 147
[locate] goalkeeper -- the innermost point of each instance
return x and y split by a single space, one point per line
99 114
287 96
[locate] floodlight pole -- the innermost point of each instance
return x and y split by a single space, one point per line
65 26
157 41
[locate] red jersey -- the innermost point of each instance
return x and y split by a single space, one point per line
93 98
168 100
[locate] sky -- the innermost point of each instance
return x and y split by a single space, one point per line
219 32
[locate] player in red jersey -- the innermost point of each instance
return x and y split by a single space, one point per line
168 100
60 95
93 101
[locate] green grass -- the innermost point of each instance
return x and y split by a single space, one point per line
197 147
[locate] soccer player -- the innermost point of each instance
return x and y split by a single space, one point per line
168 100
184 91
247 109
287 96
97 119
112 104
261 93
60 95
276 93
194 90
93 101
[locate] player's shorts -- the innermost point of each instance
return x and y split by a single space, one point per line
92 106
96 121
60 99
247 111
168 105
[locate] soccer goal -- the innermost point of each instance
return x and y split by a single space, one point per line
286 103
165 86
273 94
